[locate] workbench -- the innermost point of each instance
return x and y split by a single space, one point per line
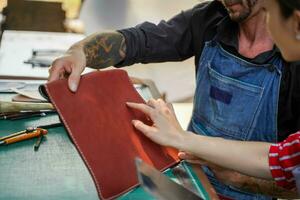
56 170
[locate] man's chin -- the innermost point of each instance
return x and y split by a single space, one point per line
238 17
235 7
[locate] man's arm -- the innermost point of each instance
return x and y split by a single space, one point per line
253 185
270 188
243 182
145 43
104 49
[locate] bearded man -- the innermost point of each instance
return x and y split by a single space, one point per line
245 91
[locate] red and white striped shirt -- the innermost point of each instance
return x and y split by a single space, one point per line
283 158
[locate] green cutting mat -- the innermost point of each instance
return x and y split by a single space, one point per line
55 171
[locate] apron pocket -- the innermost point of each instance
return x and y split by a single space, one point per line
226 106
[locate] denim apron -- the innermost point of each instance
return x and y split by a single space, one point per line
235 99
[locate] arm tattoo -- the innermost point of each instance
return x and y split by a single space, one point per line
104 49
265 187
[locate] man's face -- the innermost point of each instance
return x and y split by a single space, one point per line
239 10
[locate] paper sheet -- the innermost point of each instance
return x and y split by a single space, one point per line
17 47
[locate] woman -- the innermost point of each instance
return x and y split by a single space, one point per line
257 159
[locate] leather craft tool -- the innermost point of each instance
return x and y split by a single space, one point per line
17 107
160 186
24 114
23 135
38 143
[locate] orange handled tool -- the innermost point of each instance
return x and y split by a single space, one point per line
38 132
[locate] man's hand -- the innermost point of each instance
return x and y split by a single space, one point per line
166 129
97 51
70 66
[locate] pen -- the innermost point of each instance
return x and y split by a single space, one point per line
27 116
25 136
47 126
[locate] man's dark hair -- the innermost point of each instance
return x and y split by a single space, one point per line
287 7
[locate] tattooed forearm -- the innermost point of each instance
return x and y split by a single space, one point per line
104 49
251 184
266 187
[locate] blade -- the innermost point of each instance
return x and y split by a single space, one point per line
160 186
184 179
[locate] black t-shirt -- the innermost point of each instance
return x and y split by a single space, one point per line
184 36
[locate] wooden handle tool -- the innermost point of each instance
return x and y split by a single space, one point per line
17 107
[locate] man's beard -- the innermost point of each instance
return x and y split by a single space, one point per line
241 17
244 13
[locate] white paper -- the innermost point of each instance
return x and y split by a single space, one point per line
17 46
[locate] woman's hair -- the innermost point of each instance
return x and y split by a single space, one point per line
287 7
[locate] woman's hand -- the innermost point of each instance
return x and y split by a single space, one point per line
188 157
166 129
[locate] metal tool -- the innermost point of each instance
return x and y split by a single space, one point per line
43 57
25 114
160 186
184 178
5 86
38 143
30 132
41 138
47 126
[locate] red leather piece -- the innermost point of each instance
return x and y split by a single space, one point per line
99 122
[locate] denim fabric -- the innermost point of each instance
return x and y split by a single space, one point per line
235 99
296 174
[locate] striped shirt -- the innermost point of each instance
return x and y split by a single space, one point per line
284 157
